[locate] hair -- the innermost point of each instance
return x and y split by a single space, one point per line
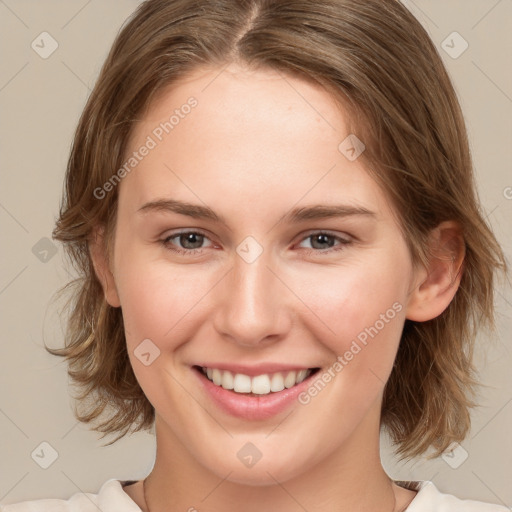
377 61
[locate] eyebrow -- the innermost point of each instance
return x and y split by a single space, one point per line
296 215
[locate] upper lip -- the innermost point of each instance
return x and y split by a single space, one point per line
258 369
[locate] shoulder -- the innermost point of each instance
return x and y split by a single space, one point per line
110 498
429 498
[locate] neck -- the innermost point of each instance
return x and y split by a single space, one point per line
350 477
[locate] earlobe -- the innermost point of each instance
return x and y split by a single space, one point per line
436 285
100 260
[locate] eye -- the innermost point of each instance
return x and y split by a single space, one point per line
322 242
191 242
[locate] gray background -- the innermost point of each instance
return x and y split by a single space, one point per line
40 102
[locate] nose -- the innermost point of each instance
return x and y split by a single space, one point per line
252 306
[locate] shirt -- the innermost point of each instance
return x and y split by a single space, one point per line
112 498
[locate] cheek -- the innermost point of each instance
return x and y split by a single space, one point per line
158 299
359 315
362 312
349 299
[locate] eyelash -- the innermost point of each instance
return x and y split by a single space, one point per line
166 242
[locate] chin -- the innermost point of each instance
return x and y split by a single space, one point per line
265 472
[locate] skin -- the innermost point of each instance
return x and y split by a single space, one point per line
258 144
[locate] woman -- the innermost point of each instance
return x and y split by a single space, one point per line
272 207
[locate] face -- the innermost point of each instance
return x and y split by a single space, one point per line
292 258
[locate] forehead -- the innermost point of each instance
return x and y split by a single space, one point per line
256 137
262 101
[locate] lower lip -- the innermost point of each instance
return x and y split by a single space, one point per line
252 407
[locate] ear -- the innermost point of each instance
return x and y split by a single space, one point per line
435 286
99 255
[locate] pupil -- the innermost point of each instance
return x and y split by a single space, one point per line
324 239
191 238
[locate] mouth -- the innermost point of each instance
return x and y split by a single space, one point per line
258 385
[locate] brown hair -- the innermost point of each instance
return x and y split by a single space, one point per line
379 62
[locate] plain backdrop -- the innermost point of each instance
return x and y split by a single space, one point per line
41 100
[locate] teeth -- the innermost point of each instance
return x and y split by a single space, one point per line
217 377
259 385
242 383
228 381
277 382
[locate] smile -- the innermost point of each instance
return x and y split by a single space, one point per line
255 398
259 384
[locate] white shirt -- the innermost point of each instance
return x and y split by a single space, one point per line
112 498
